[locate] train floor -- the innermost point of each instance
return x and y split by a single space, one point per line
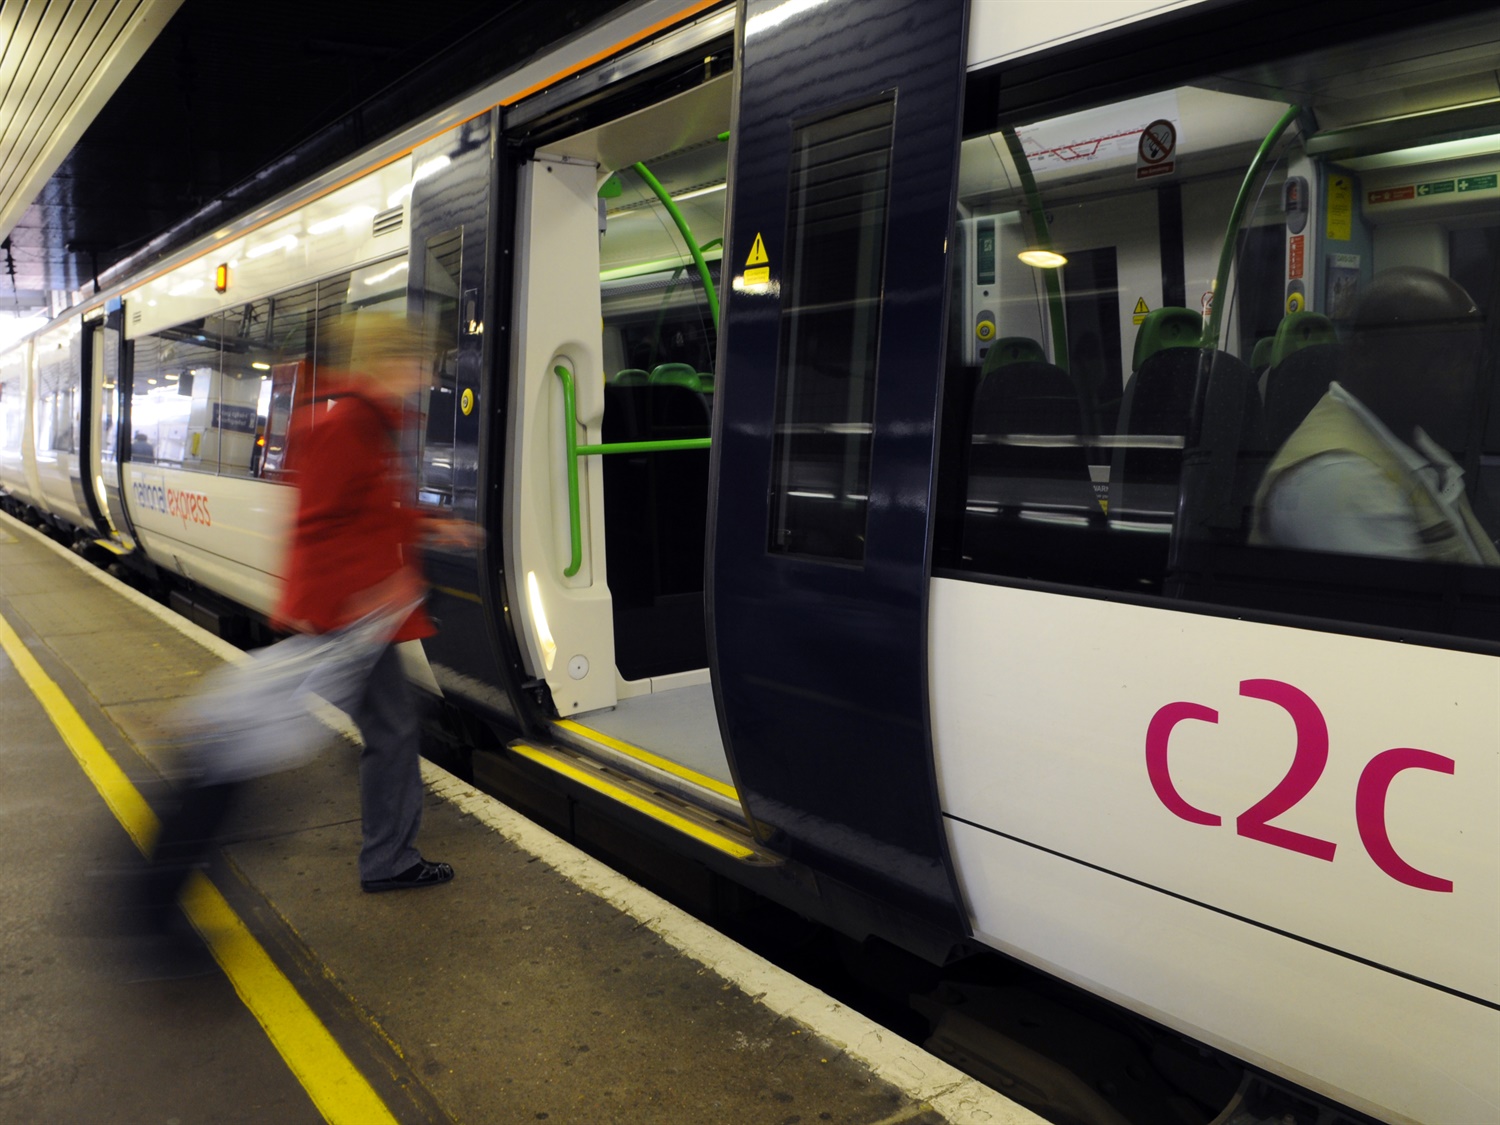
537 986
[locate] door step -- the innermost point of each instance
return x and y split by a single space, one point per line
653 769
651 801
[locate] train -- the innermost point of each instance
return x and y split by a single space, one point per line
872 409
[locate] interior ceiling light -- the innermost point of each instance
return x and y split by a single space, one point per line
1042 259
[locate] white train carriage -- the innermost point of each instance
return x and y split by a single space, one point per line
869 407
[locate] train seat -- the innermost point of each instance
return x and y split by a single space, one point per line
630 377
1146 463
1011 349
655 522
1260 355
677 375
1156 422
1029 489
1306 360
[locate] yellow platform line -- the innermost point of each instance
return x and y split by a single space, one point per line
335 1085
712 784
640 804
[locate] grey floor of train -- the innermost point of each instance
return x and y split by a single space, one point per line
538 985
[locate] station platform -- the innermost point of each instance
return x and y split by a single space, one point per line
539 985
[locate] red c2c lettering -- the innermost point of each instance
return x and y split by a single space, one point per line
1158 733
1307 766
1370 812
1308 763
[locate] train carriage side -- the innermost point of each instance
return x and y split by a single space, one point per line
920 562
1209 741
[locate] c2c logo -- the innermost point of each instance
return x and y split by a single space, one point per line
1307 767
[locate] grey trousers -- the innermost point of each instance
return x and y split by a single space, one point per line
390 773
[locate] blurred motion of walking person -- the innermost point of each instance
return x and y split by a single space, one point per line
352 571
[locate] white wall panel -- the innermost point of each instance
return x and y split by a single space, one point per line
1004 29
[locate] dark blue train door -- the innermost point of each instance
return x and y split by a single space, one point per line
457 215
845 157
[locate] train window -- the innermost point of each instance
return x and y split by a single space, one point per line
171 393
830 328
266 345
1281 398
12 401
107 357
440 297
59 369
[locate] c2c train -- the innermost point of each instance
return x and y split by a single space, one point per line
939 468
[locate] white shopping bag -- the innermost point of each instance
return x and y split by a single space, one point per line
257 717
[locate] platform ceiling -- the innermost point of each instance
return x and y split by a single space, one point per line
162 106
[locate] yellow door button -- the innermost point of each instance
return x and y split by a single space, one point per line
466 401
985 330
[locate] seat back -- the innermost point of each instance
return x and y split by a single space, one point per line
655 524
1011 349
1294 386
676 375
1301 330
1164 329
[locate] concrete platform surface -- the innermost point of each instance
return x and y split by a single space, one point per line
538 986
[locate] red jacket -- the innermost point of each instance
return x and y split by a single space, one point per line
355 526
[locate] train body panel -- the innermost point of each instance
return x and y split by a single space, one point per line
1380 1043
944 581
1080 740
1007 29
17 441
226 533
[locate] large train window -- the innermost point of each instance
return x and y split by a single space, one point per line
12 401
216 394
59 374
173 376
830 329
1234 342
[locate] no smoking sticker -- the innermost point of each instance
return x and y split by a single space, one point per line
1154 153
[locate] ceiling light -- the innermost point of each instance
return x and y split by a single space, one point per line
1042 259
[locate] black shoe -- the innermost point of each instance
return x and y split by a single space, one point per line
419 874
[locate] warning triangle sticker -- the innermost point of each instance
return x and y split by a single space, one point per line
757 253
1140 307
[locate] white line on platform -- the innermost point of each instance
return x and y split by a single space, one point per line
919 1074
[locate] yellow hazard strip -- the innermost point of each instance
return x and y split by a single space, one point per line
710 783
334 1084
625 797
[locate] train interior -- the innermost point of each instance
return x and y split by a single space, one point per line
1121 394
652 382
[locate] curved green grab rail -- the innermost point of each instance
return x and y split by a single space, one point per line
687 236
1226 253
1043 242
573 451
570 440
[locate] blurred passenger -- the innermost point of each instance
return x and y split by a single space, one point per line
141 448
352 569
1369 471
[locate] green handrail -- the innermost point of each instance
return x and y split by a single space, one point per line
573 451
570 440
687 236
1055 312
1226 253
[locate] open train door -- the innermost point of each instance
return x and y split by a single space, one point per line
845 157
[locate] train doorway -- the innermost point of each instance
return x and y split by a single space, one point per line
620 233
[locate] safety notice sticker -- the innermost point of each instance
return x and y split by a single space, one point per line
761 274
